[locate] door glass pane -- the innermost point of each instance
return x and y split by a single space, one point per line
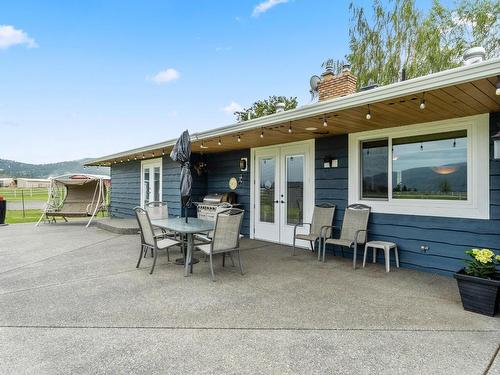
294 189
430 166
267 187
157 184
146 185
374 169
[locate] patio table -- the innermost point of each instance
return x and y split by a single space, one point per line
192 227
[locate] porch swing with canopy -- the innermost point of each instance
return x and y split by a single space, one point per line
76 195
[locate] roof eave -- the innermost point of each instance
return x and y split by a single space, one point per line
429 82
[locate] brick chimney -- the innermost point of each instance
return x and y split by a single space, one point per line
333 86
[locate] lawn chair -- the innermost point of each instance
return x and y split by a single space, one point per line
226 236
353 232
159 210
149 240
322 218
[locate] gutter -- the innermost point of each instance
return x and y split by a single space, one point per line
455 76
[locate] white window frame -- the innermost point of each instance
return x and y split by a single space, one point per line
477 205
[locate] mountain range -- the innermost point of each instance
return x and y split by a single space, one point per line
11 168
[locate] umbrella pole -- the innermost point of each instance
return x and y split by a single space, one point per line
186 213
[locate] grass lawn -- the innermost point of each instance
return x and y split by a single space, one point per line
16 216
14 194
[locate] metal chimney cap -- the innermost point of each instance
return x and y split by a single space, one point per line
474 55
280 107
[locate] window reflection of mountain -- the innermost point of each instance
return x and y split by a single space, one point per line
427 179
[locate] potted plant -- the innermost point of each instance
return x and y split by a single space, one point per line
479 282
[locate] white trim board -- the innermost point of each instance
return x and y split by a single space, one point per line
477 206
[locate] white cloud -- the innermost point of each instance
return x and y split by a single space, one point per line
232 107
265 6
165 76
10 36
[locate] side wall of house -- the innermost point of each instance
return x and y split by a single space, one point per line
447 238
125 188
223 166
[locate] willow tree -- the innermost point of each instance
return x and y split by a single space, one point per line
265 107
399 35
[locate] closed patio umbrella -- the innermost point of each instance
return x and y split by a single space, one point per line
181 153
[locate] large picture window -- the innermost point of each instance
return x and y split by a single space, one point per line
433 169
432 166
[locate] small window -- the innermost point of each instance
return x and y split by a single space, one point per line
374 169
430 166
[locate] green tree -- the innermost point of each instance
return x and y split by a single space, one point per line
265 107
401 36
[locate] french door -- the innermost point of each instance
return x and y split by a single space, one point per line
283 191
151 176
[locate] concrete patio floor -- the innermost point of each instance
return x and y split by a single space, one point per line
72 301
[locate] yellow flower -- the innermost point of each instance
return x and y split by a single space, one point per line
497 258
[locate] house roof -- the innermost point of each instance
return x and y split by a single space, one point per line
458 92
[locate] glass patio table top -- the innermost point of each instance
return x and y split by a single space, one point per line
178 224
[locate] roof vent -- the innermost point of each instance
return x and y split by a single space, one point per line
280 107
474 55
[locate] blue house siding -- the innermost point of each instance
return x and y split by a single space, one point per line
125 188
447 238
223 166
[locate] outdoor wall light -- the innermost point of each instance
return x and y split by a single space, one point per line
496 145
368 114
422 103
497 91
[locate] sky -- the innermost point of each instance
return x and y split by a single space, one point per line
83 79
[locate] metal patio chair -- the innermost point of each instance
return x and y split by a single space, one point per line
226 236
322 218
149 240
353 232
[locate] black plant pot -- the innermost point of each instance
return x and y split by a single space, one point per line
479 295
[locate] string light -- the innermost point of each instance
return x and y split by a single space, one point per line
262 134
239 138
219 142
135 157
290 127
368 114
325 121
153 154
422 103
